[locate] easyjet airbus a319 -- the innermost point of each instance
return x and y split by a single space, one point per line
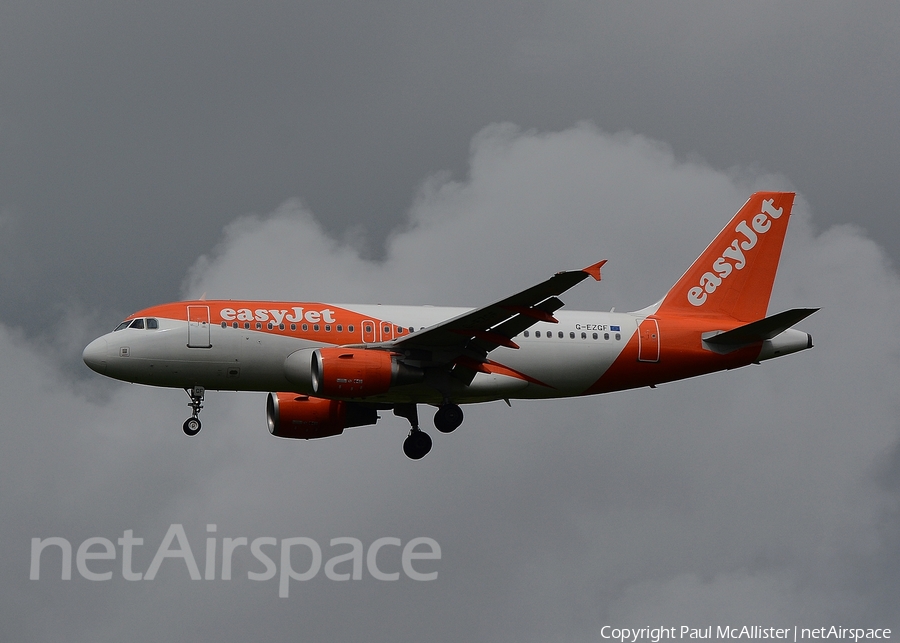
335 366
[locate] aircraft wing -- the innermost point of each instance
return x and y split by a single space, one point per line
474 334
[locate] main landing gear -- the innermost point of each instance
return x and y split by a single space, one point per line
192 425
448 418
418 443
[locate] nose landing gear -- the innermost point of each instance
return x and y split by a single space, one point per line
191 426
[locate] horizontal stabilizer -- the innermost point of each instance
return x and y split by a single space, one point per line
761 330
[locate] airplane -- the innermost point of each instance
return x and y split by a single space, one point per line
333 367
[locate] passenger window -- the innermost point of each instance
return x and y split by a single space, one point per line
340 328
595 335
583 335
293 326
618 336
280 326
537 333
224 324
137 323
316 327
605 335
526 333
571 335
561 334
328 328
152 324
350 328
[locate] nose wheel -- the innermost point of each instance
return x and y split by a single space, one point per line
191 426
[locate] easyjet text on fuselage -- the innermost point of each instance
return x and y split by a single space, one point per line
278 316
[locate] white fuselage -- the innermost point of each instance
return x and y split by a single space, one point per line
554 360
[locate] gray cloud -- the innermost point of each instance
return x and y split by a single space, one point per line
761 495
131 134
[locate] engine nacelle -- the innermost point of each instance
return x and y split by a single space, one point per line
303 417
348 372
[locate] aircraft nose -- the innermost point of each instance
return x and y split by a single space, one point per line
94 355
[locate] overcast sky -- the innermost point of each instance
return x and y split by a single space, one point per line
400 153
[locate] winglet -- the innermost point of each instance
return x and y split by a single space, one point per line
594 271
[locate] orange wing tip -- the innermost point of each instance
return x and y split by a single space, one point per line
594 271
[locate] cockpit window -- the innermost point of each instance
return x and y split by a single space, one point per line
149 323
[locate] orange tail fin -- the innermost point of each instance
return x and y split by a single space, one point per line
734 275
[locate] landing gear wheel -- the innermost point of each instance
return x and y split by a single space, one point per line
448 418
191 426
417 445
